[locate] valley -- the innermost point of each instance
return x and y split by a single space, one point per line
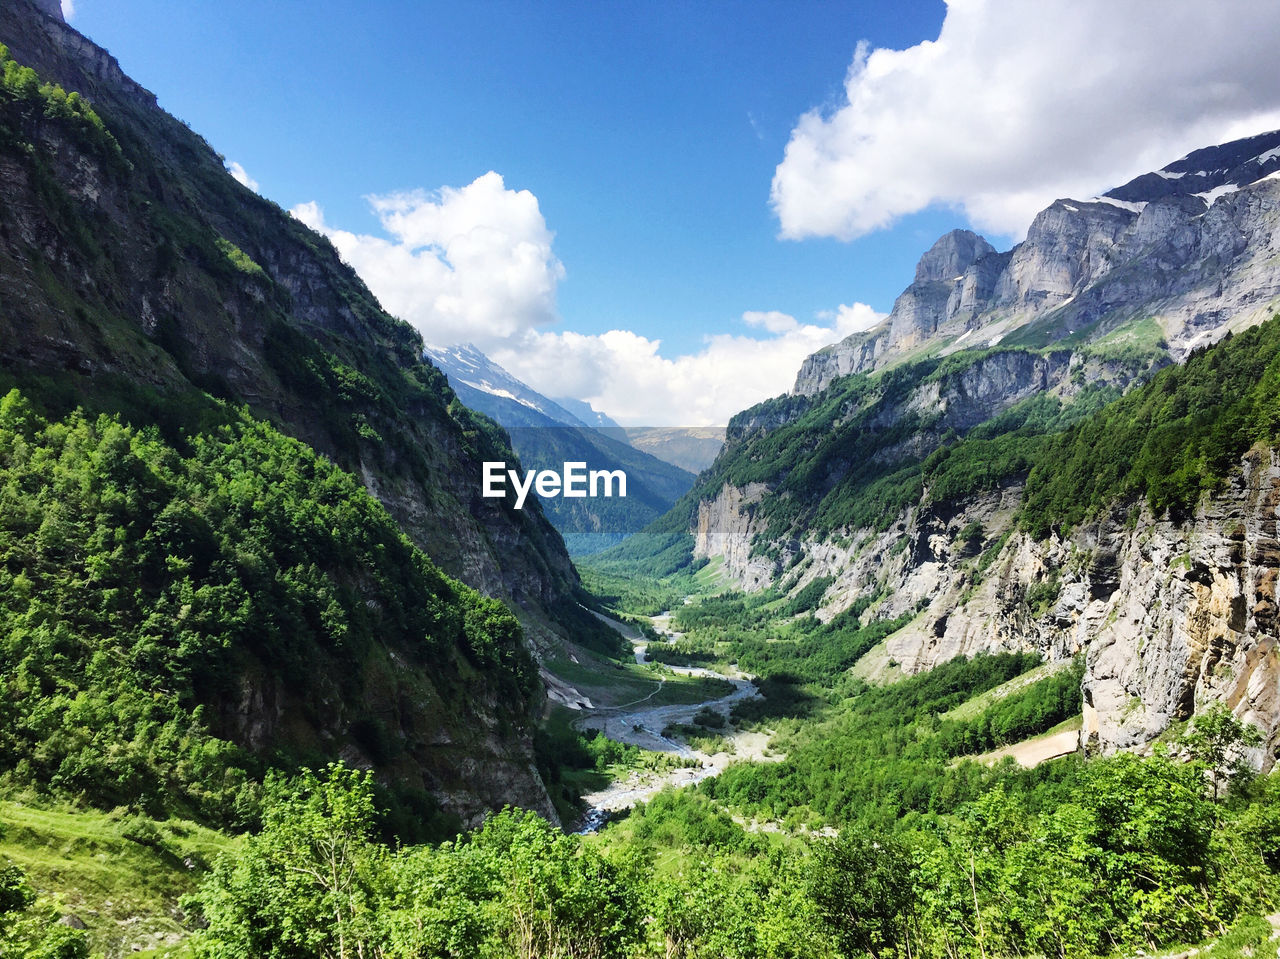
657 729
963 648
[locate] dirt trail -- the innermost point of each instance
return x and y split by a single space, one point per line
1032 752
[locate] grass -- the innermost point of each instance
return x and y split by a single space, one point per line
616 682
123 875
1250 937
1137 340
683 690
712 577
877 667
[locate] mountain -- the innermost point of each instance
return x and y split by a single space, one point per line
142 282
589 416
693 448
1070 449
546 435
1164 264
485 386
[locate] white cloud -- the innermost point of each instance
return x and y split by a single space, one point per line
68 9
773 321
470 264
1016 104
626 375
241 175
853 319
475 265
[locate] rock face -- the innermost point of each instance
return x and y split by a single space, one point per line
1168 615
50 8
726 529
1188 247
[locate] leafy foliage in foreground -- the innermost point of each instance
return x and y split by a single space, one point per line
313 883
1136 855
141 585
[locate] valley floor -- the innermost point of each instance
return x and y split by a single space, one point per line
645 726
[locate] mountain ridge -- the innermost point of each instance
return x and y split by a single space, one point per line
1186 246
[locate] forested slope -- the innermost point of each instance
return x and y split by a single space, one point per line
140 280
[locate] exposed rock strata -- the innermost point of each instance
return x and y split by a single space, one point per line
1169 616
1192 247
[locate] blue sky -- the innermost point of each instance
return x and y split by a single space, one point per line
633 251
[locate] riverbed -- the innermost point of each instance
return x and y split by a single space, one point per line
640 724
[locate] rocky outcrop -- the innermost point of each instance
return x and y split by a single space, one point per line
727 529
1169 616
50 8
933 298
32 26
1189 247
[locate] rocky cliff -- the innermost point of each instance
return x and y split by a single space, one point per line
1187 248
1142 535
1170 615
900 473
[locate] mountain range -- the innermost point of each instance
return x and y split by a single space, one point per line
546 435
913 468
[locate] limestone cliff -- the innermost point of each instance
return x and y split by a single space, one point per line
1188 248
1169 615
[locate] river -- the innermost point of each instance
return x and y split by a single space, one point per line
641 725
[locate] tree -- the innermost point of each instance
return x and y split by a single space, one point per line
1219 740
861 883
307 884
554 898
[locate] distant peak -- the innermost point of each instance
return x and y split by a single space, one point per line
1201 172
951 255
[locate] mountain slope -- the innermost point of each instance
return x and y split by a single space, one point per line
139 279
1032 494
545 436
485 386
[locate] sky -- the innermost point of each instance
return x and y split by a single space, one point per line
662 207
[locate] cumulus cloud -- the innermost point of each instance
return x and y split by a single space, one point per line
626 375
469 264
241 176
68 10
475 265
1016 104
